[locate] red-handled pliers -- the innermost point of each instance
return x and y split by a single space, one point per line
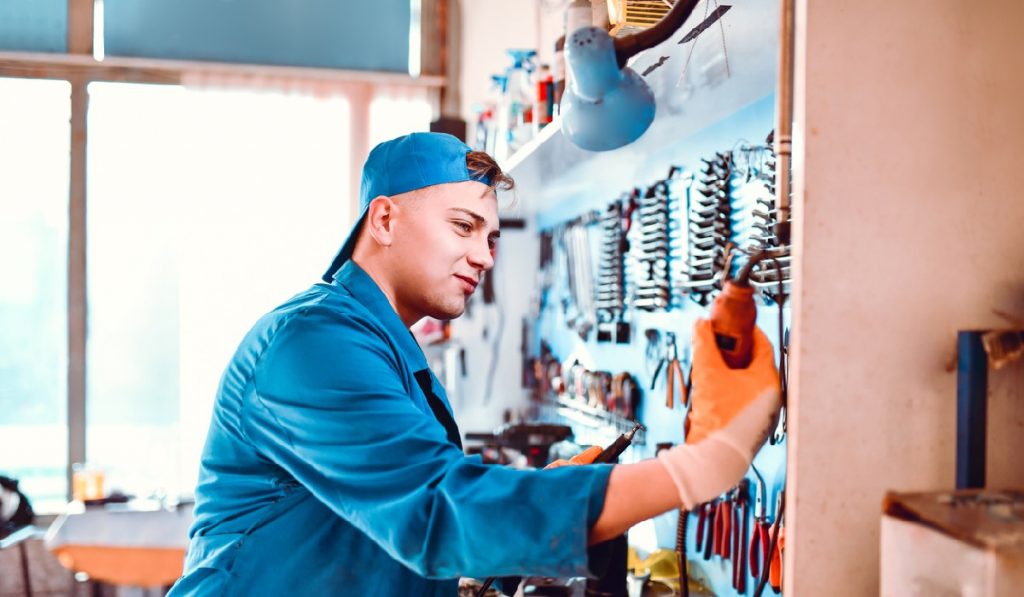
723 527
775 566
760 538
673 372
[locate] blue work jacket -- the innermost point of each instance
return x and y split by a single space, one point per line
332 466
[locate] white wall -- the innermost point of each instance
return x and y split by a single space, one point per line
489 27
910 226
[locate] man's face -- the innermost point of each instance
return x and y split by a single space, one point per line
445 241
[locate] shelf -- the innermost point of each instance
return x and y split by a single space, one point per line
589 416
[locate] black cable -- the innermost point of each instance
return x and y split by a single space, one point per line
684 576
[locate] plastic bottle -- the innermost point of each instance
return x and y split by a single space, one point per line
543 99
502 120
520 92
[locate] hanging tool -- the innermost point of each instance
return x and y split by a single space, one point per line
779 433
709 526
774 545
739 538
652 249
723 527
759 554
775 567
673 371
702 517
709 229
611 289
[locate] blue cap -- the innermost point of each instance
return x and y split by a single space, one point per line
401 165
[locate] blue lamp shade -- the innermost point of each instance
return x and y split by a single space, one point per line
603 107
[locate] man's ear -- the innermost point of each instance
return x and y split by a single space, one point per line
380 219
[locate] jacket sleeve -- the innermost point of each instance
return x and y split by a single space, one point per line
331 408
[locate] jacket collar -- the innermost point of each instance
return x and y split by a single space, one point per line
362 287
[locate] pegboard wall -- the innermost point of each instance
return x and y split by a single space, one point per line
577 321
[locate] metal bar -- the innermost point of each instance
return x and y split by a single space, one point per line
971 410
153 70
77 279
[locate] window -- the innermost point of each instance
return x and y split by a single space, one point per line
397 112
206 209
35 138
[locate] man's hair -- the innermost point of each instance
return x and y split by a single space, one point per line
481 165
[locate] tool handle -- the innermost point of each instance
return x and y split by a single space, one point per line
733 315
613 451
758 548
710 540
719 522
739 566
701 518
727 529
775 571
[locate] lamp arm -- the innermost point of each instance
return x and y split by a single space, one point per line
631 45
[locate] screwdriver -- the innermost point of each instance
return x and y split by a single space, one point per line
607 456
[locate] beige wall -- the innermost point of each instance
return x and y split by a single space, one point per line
489 27
909 178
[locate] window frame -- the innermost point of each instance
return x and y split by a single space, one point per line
79 67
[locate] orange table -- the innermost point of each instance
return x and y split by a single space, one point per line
124 545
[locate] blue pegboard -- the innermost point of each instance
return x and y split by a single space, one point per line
748 126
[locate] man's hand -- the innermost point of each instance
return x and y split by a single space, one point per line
585 457
732 413
719 393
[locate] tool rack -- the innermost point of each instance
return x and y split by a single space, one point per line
664 243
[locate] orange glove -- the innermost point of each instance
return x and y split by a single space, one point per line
732 412
719 393
585 457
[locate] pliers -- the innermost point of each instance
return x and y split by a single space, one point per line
723 527
760 538
673 370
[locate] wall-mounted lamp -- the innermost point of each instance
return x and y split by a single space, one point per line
607 105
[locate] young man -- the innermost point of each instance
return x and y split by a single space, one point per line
333 465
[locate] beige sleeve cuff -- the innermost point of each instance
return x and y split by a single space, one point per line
715 465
